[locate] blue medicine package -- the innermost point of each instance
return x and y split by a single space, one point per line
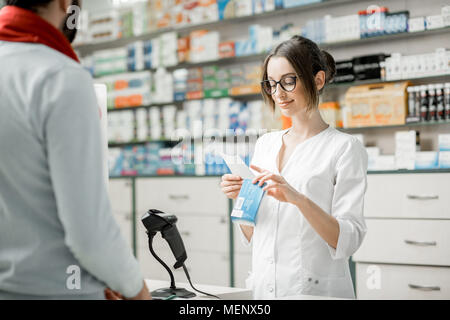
247 203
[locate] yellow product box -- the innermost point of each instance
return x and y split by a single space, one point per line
376 105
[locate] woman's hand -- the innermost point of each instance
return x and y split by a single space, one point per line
231 185
279 188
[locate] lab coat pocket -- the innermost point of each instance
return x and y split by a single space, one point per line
313 284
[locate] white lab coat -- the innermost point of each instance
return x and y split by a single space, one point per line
289 257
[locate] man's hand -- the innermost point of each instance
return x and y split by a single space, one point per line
144 294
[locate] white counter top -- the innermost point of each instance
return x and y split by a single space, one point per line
225 293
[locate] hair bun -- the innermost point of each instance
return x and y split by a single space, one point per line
330 64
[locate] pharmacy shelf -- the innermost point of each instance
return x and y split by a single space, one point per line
387 37
243 97
426 79
416 171
256 96
259 57
240 137
140 143
401 126
164 176
404 171
91 47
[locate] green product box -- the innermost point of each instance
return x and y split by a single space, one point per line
216 93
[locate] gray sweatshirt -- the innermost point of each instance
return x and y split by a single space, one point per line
58 238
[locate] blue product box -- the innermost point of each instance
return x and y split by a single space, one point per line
278 4
244 48
247 203
223 6
179 96
444 159
427 160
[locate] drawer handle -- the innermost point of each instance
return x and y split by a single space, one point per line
178 197
413 197
424 288
421 243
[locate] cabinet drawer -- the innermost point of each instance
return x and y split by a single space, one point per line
204 233
181 195
203 267
384 281
425 242
408 196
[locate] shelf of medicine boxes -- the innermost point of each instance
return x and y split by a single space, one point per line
347 130
259 57
255 96
91 47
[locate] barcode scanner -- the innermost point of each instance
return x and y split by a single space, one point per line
157 221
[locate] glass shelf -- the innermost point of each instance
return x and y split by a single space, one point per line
422 171
439 170
402 126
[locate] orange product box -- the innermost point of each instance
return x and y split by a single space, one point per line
227 49
376 105
245 89
183 43
120 85
331 113
194 95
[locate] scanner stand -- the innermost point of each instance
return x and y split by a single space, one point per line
173 290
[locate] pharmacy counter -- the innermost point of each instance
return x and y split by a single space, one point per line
225 293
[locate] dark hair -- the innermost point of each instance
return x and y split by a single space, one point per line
307 59
32 5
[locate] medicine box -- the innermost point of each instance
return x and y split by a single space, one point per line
376 105
426 160
444 159
444 142
247 203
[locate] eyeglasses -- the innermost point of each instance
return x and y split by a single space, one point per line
286 83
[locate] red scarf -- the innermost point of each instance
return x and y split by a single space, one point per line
21 25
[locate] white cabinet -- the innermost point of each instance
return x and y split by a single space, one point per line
120 194
421 195
389 281
203 222
183 196
405 254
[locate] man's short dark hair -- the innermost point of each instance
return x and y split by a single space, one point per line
32 5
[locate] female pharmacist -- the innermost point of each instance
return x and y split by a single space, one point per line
311 220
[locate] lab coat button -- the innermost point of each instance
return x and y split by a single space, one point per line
316 282
270 289
270 261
